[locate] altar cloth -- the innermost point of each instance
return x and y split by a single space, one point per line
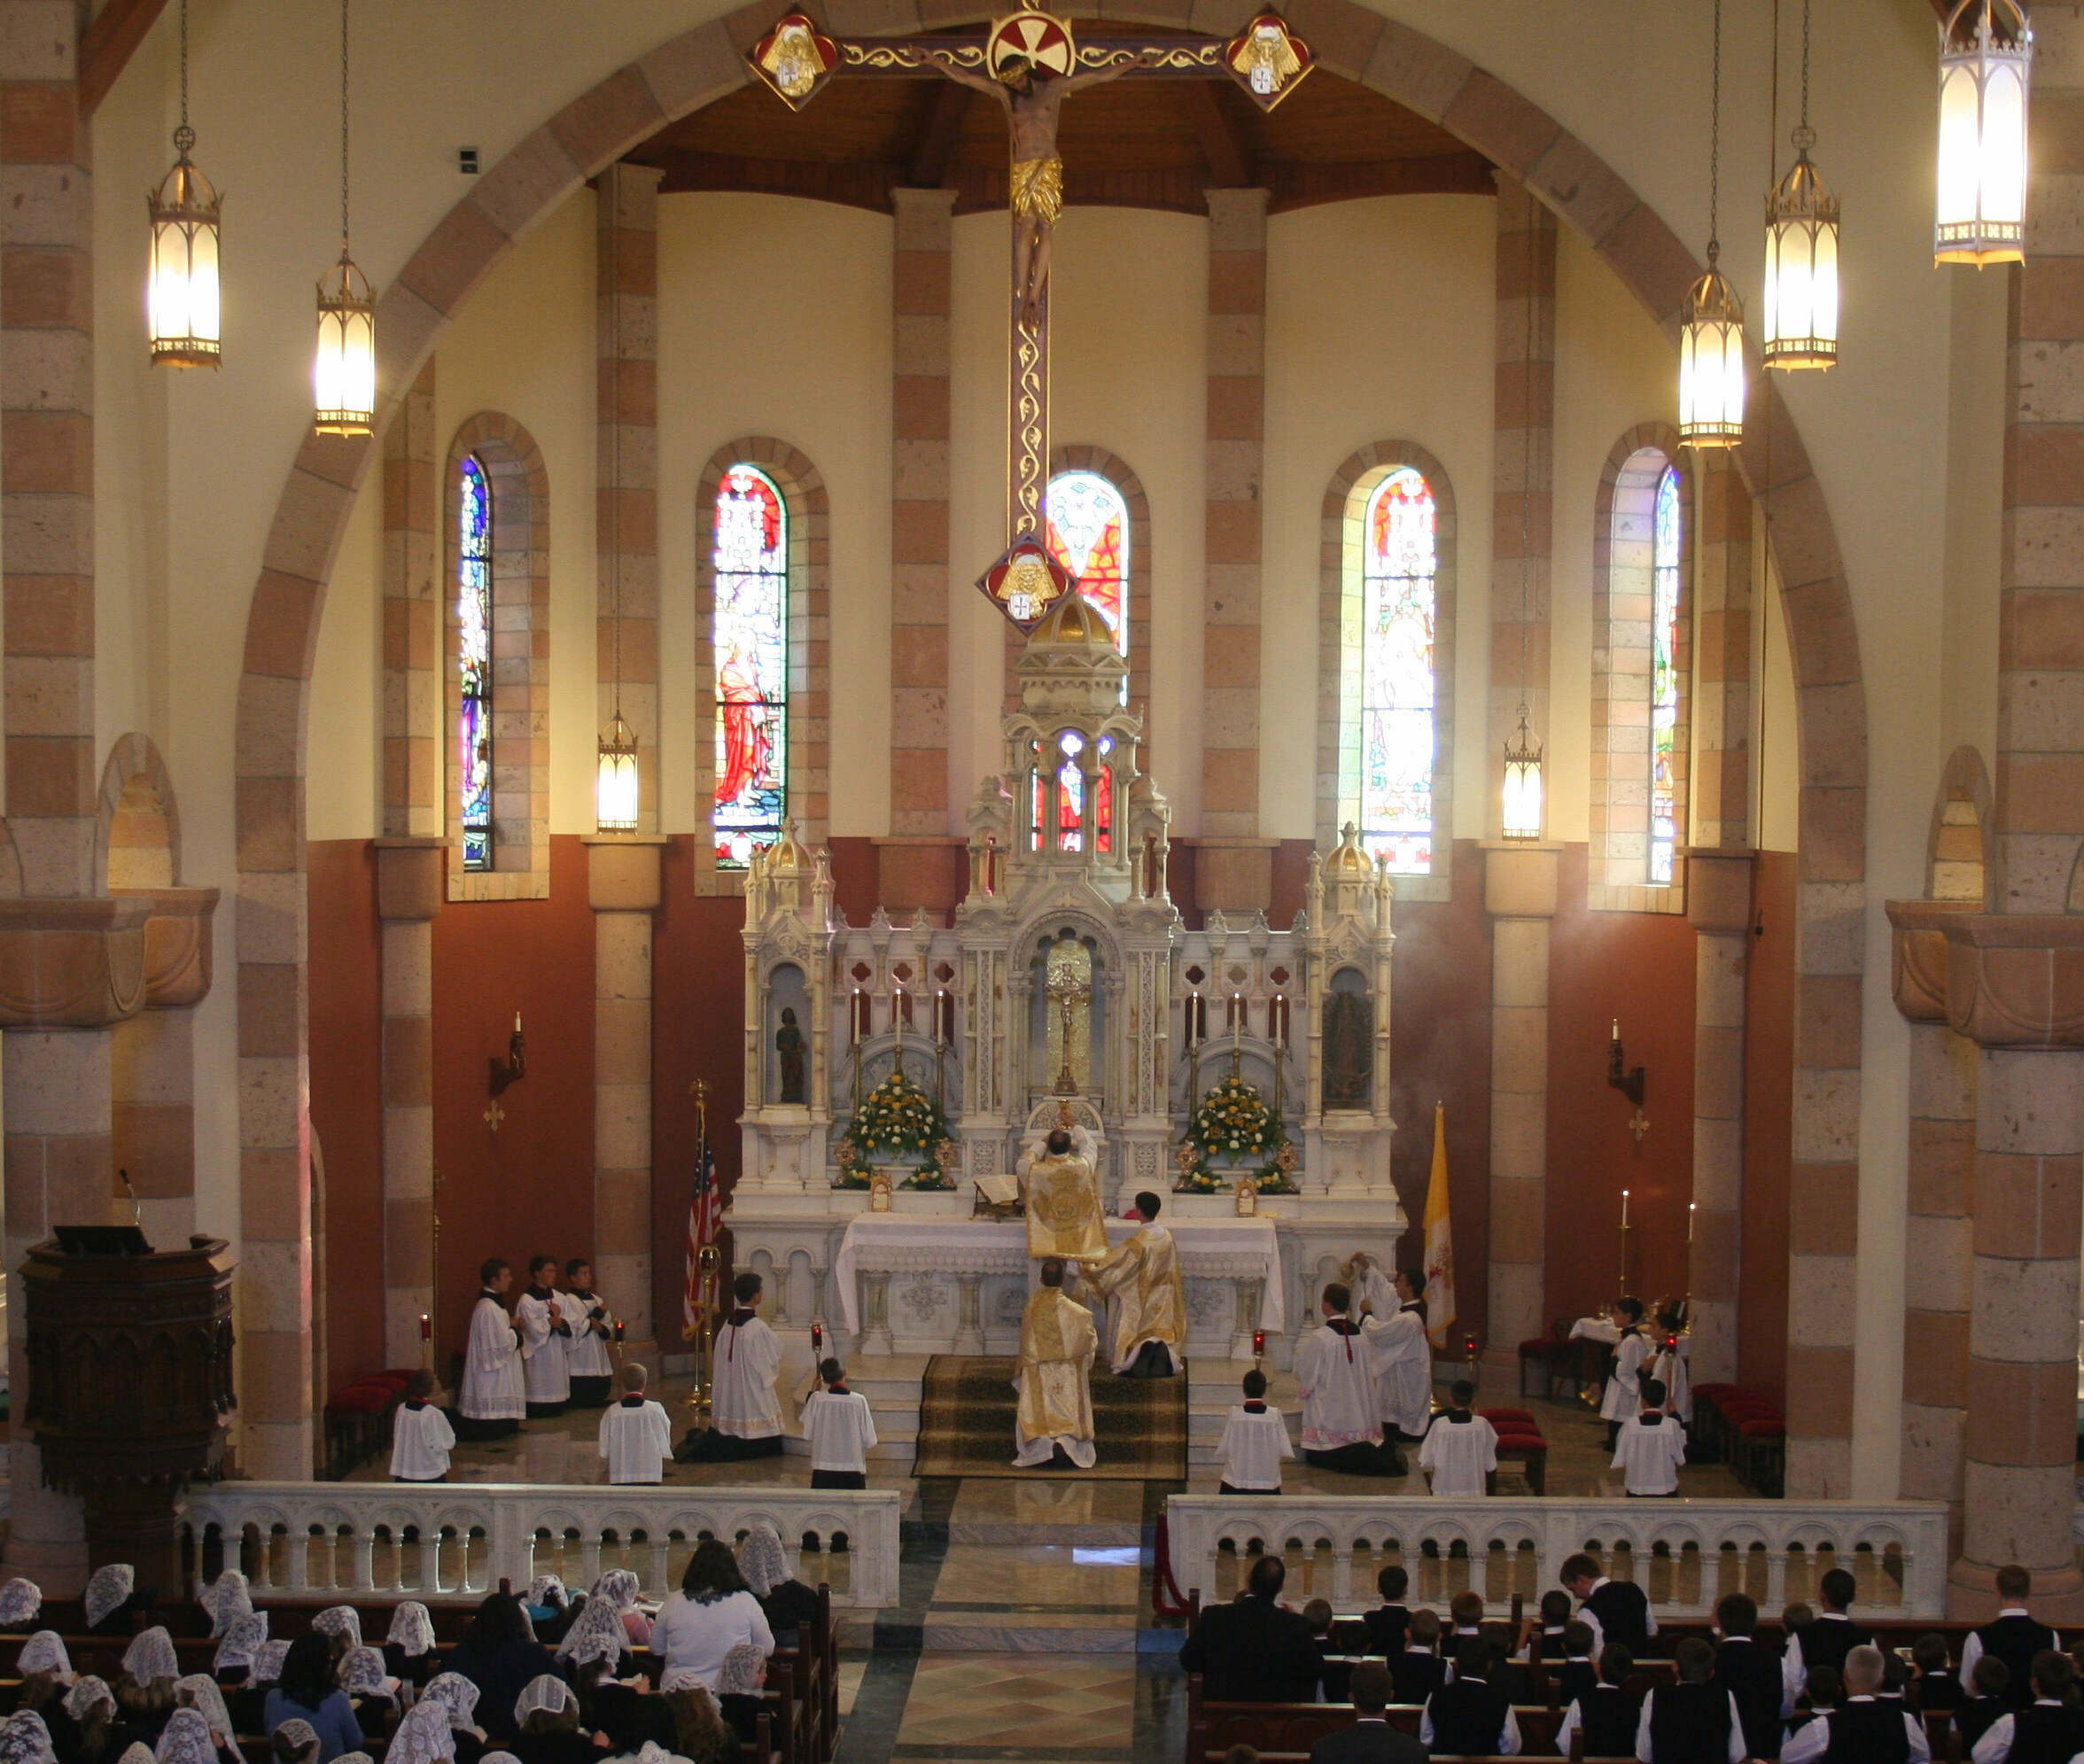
883 1243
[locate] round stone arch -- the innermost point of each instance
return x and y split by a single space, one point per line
695 69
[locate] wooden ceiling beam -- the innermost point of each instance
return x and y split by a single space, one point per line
107 45
934 155
1226 143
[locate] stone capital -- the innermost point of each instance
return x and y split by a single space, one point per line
2016 980
1519 878
178 948
1917 955
624 872
1718 888
408 877
73 964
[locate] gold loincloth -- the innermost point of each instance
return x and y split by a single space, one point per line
1038 190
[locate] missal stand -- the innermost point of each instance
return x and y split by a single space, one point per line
130 1382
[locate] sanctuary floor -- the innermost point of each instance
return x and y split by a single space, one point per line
1023 1627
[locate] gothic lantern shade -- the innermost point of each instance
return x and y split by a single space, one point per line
1801 309
616 792
1710 364
344 374
182 312
1521 816
1986 55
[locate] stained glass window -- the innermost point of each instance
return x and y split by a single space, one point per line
1664 678
1087 532
751 636
1397 559
474 664
1065 830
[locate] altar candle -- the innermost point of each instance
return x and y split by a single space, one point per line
817 1339
426 1328
517 1023
1469 1348
619 1332
1693 1207
1624 1210
1617 1029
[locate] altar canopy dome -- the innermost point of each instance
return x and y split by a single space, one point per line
1071 663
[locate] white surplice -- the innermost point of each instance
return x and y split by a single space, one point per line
748 1355
1406 1356
840 1430
1651 1449
636 1439
1459 1455
492 1366
1337 1371
1623 1396
421 1440
1669 1366
586 1353
1254 1442
546 1372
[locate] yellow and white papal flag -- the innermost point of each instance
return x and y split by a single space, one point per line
1440 1286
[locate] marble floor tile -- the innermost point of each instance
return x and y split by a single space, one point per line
997 1576
1019 1700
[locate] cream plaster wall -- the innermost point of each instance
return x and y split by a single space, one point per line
774 319
345 798
1378 327
191 472
1129 311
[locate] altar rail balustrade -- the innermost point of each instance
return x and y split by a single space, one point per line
1685 1554
457 1541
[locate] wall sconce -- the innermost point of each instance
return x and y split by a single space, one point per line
1629 1082
514 1068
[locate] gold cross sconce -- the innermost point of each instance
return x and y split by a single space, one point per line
494 1115
1638 1124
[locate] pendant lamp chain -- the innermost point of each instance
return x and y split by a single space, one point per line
184 136
616 790
1519 814
1711 334
1715 144
344 4
344 372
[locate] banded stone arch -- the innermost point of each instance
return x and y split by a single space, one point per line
701 65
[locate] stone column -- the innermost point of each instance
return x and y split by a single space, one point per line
1522 475
152 1062
627 502
623 887
410 876
412 619
1520 894
920 299
1940 1252
1234 867
1718 905
2016 978
1720 805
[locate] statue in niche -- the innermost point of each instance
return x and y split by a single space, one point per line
1349 1034
788 1049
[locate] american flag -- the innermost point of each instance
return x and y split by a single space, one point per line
705 1213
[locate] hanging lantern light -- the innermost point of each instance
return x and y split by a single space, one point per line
615 793
1522 804
344 372
182 303
1711 322
1801 303
1986 56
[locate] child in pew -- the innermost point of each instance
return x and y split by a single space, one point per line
1933 1687
1822 1690
1607 1714
1542 1637
1991 1683
1507 1676
1467 1716
1417 1670
1333 1678
1576 1673
1390 1622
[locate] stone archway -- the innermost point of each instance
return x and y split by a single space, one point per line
702 64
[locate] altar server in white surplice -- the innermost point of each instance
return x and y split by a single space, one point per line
1142 1277
421 1437
586 1313
636 1439
840 1429
491 1401
1398 1336
1625 1367
545 1341
748 1356
1461 1446
1059 1341
1255 1442
1336 1369
1651 1446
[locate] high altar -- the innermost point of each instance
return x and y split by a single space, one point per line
1067 987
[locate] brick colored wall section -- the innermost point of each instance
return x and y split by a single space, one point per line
922 283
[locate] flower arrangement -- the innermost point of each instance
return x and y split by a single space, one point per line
1234 1124
897 1120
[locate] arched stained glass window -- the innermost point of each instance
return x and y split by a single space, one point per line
1087 532
751 639
1397 561
474 664
1664 677
1065 830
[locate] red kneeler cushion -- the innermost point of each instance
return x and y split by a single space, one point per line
1522 1443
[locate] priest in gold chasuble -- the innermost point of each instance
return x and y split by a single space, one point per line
1142 1277
1057 1346
1063 1192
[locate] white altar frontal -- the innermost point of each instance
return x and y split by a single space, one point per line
890 1065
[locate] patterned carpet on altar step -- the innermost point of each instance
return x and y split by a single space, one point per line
966 1411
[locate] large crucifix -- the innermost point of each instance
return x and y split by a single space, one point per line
1030 63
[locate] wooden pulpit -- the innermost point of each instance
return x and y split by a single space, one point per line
129 1356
